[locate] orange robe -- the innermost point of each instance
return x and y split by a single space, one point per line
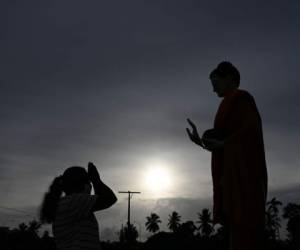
239 171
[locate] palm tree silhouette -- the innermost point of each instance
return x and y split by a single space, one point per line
22 227
129 234
174 221
205 223
273 218
187 229
152 222
292 212
34 226
273 205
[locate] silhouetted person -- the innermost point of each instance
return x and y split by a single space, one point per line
238 163
74 224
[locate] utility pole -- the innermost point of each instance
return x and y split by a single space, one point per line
130 194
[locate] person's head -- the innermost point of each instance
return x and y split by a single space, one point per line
224 78
74 180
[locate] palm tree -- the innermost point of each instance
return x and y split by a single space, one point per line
272 224
272 218
34 226
22 227
187 229
292 212
152 223
205 223
273 205
174 221
128 234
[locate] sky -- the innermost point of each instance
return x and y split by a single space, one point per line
113 82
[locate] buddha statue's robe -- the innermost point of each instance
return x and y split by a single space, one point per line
239 171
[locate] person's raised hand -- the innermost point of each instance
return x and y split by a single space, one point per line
93 172
194 136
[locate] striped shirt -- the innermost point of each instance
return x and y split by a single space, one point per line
75 227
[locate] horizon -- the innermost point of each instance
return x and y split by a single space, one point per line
109 226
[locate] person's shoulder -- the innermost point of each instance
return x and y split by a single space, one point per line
247 102
82 197
244 95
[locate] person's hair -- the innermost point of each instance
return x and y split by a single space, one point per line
73 180
227 68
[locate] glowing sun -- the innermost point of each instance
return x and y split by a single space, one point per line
158 179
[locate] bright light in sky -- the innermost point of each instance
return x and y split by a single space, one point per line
158 179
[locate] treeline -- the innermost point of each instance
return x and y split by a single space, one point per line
199 234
